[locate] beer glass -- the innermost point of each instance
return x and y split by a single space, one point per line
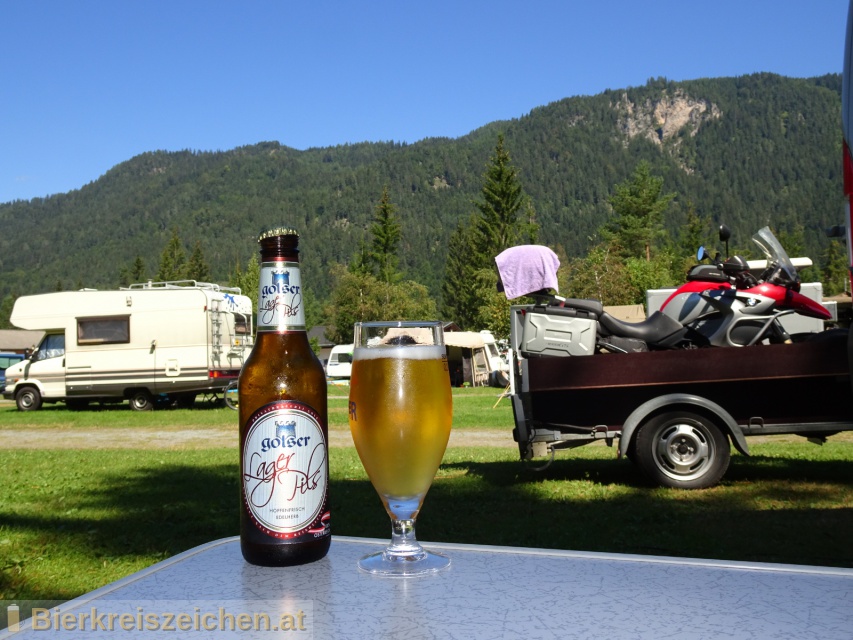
400 410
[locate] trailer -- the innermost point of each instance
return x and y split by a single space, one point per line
150 342
674 413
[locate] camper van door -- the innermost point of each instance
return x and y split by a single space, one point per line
47 365
181 350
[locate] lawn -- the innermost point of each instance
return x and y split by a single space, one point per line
472 408
72 520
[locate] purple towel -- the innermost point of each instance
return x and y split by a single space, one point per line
526 269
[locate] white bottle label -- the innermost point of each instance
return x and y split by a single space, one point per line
285 471
280 297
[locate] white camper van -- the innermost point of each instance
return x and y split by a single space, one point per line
339 365
498 363
157 340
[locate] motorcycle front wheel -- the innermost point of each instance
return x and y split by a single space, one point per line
683 450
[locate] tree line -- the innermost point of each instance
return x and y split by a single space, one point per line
633 253
771 157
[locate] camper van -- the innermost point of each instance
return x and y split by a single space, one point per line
468 360
150 342
339 365
498 362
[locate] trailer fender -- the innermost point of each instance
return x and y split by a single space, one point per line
671 401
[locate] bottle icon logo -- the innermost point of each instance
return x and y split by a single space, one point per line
280 277
284 430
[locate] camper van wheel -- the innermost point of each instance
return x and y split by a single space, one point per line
140 400
28 399
684 450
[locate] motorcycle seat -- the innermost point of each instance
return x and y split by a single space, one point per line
652 330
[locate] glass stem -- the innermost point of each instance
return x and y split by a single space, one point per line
403 541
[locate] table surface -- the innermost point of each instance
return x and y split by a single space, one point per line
488 592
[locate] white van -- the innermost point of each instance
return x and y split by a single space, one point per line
163 340
339 365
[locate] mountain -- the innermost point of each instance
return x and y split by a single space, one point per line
747 151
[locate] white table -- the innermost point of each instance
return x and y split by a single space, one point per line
488 592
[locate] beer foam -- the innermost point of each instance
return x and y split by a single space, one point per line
411 352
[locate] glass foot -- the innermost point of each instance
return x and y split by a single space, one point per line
403 565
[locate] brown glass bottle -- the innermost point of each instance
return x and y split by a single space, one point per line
284 464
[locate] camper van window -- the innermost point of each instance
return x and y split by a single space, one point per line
53 346
241 325
112 330
480 360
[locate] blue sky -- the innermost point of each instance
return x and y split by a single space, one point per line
87 84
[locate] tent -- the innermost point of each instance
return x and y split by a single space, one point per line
467 358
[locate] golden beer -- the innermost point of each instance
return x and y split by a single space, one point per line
400 415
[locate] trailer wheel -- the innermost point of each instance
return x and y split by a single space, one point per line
141 400
28 399
682 450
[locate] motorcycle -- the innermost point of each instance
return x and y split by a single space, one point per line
722 304
725 305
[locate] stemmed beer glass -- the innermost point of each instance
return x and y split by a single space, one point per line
400 410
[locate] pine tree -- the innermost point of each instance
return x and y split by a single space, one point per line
506 216
639 205
172 260
458 290
361 262
136 272
836 275
386 239
197 268
692 234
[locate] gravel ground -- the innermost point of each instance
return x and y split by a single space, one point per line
197 438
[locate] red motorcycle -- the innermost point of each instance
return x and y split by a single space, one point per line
723 304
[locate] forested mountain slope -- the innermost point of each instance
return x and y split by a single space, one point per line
749 151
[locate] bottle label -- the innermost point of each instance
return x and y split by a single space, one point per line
285 471
280 297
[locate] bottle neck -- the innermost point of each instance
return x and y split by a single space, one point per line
280 302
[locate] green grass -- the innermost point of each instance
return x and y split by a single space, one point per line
74 520
472 408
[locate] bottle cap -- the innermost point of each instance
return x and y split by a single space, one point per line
278 231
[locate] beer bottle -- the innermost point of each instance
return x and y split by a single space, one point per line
284 464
